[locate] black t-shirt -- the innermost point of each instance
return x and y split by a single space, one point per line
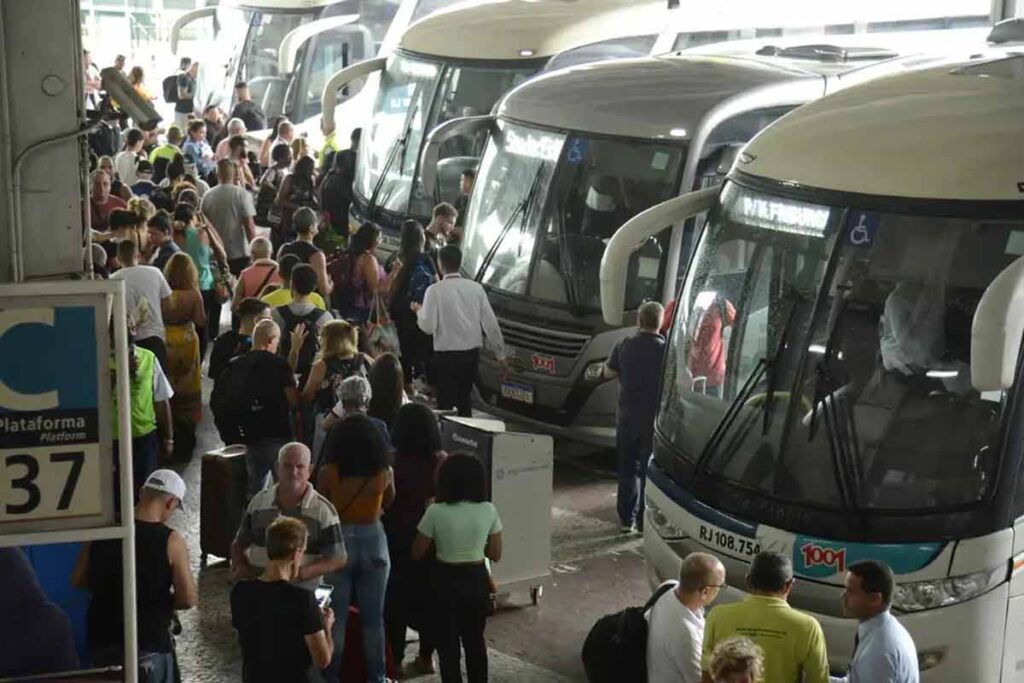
272 619
186 82
251 114
153 590
228 346
304 250
268 377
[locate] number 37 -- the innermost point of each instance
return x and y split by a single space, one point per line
27 482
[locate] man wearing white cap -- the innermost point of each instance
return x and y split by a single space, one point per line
164 581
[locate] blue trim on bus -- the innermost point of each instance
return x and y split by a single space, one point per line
689 502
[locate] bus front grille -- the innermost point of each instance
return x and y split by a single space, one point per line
543 340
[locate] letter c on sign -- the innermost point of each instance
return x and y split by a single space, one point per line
9 398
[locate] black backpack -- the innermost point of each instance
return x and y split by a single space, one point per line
310 347
616 647
170 86
231 399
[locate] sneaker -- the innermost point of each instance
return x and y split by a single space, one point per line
627 529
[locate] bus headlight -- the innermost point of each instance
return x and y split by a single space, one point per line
925 595
659 522
594 372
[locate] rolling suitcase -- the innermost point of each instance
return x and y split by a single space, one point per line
221 501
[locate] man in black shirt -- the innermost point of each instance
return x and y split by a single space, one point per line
163 576
283 632
271 393
636 362
246 109
185 107
160 240
233 344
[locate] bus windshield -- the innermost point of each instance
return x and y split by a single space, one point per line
258 65
415 96
820 355
596 185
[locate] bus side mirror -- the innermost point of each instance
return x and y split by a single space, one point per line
328 97
997 330
184 20
293 41
464 125
632 234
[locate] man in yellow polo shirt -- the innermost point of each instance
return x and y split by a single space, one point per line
793 644
283 296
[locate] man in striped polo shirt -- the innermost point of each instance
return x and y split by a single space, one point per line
291 496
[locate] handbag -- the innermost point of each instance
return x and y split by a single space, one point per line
383 335
223 281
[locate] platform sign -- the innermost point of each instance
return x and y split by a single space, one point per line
56 429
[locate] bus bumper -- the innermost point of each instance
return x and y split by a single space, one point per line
961 642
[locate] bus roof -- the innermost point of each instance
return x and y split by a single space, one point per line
949 132
669 96
521 29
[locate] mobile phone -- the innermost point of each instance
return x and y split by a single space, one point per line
323 595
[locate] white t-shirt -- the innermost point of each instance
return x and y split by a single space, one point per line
145 287
124 164
675 636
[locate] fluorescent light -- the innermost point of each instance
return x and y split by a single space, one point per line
816 348
942 374
678 132
526 52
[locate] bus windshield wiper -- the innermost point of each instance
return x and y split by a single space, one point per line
568 266
765 364
772 369
397 151
520 213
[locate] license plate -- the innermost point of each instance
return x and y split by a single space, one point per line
517 392
729 543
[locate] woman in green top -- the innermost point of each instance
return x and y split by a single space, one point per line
464 529
203 245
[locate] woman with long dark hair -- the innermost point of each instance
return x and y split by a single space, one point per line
463 529
411 273
297 190
355 295
416 438
358 480
387 387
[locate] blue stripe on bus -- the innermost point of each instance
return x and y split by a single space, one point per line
688 502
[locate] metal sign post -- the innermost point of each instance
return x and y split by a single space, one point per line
57 424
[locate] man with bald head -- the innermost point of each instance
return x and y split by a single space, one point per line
263 381
291 496
676 621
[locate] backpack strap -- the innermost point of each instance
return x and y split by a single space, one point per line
662 589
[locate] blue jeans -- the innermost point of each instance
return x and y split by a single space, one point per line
260 459
633 452
160 665
365 573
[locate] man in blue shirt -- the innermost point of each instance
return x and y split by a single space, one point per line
883 651
636 361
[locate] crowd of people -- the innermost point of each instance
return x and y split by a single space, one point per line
326 373
762 639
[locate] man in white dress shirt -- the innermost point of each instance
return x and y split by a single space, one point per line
458 315
675 628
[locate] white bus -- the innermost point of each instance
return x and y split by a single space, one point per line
629 134
461 61
286 50
859 289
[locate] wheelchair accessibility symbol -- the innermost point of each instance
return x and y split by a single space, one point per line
865 225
